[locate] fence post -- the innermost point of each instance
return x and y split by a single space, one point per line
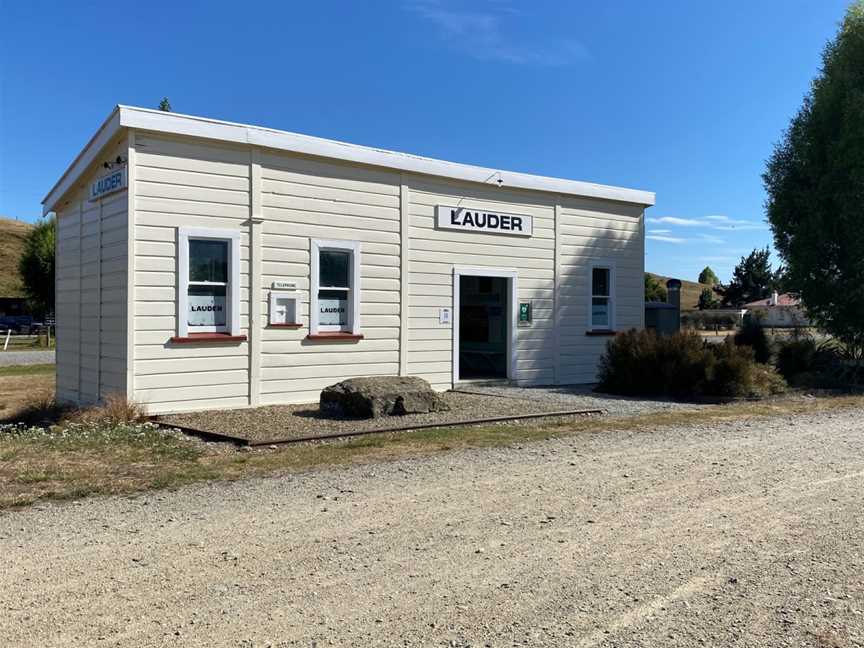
8 335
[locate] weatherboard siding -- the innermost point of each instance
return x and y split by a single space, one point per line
185 183
434 252
306 198
92 290
603 232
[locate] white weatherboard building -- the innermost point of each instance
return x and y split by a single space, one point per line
204 264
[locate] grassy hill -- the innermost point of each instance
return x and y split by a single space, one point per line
12 234
690 291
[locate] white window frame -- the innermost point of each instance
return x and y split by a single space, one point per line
232 291
601 265
352 247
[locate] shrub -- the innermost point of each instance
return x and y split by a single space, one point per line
682 366
795 357
753 335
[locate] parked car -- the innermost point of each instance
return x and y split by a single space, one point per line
18 324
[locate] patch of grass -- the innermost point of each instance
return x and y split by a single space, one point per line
28 370
83 459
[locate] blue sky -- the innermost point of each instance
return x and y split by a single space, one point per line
682 98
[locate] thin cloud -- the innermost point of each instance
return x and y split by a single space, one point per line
666 239
714 222
480 33
660 231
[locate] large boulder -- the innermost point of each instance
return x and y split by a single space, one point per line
381 396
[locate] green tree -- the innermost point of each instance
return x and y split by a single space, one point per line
707 299
815 185
752 279
37 266
708 277
654 290
165 105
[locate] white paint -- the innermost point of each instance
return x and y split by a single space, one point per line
512 306
177 124
283 307
232 320
481 220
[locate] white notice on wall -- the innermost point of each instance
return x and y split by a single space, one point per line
444 315
206 310
333 312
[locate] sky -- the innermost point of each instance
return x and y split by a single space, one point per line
685 99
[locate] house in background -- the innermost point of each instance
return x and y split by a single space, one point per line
778 311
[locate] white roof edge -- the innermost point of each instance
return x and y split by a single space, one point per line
165 122
84 159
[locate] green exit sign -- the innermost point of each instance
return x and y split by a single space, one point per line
524 311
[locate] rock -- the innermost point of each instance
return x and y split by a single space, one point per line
381 396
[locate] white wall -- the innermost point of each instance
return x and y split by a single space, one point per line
92 290
193 184
307 198
433 253
198 183
605 232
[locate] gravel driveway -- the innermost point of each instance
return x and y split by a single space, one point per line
8 358
735 534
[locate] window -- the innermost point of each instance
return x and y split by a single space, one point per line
335 299
601 298
208 281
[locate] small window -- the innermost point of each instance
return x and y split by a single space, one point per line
601 298
335 300
208 282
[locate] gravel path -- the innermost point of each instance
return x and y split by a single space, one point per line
8 358
735 534
583 397
280 422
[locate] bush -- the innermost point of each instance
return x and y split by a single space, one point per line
796 357
114 410
682 366
753 335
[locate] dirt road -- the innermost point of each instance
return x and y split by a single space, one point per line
747 534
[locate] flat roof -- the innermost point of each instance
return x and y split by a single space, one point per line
214 129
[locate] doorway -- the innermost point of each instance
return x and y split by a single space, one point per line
483 324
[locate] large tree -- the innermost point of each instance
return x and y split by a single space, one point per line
815 186
708 277
37 266
752 279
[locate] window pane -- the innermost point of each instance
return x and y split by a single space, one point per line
334 269
600 281
207 306
600 311
208 261
333 307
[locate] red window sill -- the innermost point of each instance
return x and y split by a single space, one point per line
285 326
601 332
322 337
195 338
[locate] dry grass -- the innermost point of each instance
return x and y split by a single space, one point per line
690 291
12 235
94 458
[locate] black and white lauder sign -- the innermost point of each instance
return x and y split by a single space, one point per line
479 220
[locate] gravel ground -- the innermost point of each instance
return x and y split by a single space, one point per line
292 421
735 534
8 358
583 397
